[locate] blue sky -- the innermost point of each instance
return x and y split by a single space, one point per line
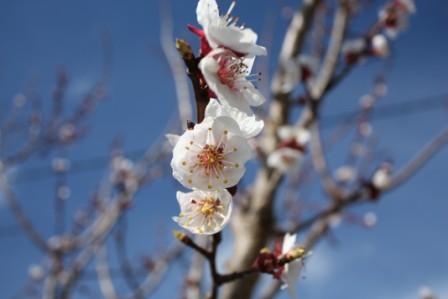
405 250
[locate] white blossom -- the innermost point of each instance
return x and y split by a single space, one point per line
395 16
228 76
291 272
299 134
249 124
211 155
223 31
123 174
285 159
380 45
204 212
290 153
382 176
302 69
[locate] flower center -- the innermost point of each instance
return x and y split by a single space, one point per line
231 69
209 207
210 158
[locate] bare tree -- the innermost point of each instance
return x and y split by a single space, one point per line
312 62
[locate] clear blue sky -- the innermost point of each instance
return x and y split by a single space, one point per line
405 250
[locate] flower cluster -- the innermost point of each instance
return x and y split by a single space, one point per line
209 158
291 149
393 19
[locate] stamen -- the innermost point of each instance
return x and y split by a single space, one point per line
231 7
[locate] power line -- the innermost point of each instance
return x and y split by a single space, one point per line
382 112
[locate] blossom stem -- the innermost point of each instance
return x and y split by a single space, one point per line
200 91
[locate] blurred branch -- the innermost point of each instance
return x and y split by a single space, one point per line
175 63
427 152
104 278
21 217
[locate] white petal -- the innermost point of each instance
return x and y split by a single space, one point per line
251 94
289 240
286 132
207 11
249 124
234 38
303 136
291 276
380 45
223 124
285 159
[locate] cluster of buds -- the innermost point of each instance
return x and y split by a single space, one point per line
299 70
393 19
380 180
123 176
209 157
284 263
291 148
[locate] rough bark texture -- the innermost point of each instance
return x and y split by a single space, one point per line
255 213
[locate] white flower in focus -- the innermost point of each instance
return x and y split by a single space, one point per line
285 159
228 76
249 124
291 272
211 155
380 46
222 31
204 212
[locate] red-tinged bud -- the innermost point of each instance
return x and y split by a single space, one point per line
374 192
205 46
292 143
266 261
293 254
306 73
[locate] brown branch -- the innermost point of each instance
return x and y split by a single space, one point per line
175 63
191 62
21 216
320 164
419 160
